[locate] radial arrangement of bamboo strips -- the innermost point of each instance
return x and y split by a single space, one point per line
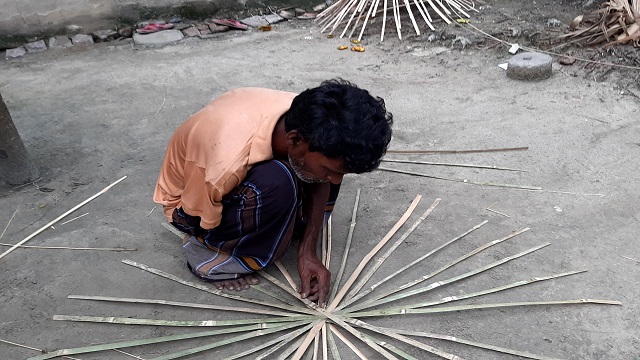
295 329
615 22
349 14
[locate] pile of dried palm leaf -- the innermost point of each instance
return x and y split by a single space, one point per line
615 22
352 13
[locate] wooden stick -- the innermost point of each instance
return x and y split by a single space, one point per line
71 248
347 342
444 267
75 218
492 167
181 304
525 187
379 261
347 247
418 260
393 151
61 217
9 223
368 257
215 291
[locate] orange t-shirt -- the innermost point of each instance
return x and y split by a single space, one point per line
212 151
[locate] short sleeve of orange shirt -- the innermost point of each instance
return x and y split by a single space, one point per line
213 150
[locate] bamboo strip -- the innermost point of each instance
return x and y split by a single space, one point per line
355 11
513 186
347 342
287 289
447 281
366 19
446 11
9 223
368 257
157 340
419 5
396 18
285 337
358 334
289 350
316 344
393 349
449 299
32 348
129 355
423 257
379 261
61 217
75 218
347 247
323 244
215 291
307 341
181 323
407 6
325 350
430 349
181 304
173 230
384 20
230 340
274 295
71 248
327 262
286 274
480 307
492 167
470 343
353 28
289 337
443 16
393 151
332 346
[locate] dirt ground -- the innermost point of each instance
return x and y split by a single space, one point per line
90 116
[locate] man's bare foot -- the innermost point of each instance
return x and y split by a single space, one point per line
238 284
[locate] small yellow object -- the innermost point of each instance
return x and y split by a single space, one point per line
265 28
330 36
355 41
463 21
357 48
342 47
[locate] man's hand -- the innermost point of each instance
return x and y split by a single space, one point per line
315 279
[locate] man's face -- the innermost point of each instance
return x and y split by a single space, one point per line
313 167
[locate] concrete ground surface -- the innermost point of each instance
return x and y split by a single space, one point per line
90 116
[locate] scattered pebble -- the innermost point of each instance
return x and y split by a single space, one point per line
191 32
73 28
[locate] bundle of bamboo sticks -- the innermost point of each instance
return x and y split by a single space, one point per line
344 12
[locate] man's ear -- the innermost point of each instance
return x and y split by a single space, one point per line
294 138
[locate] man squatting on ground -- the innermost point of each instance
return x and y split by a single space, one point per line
258 167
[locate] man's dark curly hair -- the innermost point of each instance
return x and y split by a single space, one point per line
342 121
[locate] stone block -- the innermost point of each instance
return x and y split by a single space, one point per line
530 66
125 32
15 53
159 38
191 32
104 35
263 20
36 46
81 39
59 42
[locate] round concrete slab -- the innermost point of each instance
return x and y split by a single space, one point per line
530 66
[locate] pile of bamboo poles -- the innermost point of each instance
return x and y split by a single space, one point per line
615 22
344 12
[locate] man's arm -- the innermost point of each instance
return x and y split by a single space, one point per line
309 265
